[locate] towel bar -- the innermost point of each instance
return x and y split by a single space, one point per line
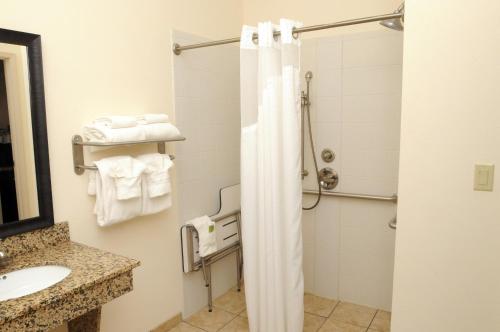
393 198
78 159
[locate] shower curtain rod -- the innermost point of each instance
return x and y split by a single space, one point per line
177 49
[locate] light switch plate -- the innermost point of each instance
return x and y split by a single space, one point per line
483 177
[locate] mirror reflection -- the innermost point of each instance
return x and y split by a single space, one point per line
18 189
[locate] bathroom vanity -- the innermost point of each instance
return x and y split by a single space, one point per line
96 277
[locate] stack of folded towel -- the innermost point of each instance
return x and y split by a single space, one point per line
127 187
117 128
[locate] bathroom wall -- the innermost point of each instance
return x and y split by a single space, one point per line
207 108
356 104
447 243
115 57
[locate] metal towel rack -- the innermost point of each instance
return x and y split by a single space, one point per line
78 143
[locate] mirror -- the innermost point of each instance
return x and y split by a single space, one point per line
25 193
18 193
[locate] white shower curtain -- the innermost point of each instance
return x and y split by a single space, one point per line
271 188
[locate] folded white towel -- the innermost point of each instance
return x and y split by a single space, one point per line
152 205
91 190
206 235
127 174
156 173
152 118
117 121
160 131
104 134
109 209
156 186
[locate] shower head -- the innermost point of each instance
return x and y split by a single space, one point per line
396 23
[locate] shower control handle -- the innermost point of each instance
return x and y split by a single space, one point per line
327 155
328 178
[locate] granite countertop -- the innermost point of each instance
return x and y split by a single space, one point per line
89 266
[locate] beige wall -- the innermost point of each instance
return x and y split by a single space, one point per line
115 57
447 242
312 12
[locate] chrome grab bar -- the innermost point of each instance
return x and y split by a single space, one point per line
393 198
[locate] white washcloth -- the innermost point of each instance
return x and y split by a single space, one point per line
104 134
206 235
108 208
160 131
156 186
152 118
117 121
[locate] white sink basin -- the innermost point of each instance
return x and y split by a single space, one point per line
30 280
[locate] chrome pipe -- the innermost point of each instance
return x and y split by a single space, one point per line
177 49
393 198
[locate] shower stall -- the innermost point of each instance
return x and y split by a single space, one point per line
351 111
350 116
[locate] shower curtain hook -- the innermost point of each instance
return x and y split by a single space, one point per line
255 38
275 35
295 34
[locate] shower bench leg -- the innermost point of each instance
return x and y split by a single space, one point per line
238 270
207 275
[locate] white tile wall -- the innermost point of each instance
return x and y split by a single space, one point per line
206 85
356 97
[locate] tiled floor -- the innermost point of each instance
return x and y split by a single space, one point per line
321 315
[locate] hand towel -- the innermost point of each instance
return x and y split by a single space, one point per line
117 121
104 134
206 235
156 173
127 174
91 190
156 186
108 208
160 131
152 118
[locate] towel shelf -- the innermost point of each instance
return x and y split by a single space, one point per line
78 143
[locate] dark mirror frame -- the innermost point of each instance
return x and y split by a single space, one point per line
45 217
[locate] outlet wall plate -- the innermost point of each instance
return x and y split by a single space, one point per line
484 177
